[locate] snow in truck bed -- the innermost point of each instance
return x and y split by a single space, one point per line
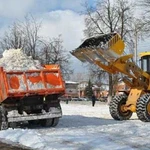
16 59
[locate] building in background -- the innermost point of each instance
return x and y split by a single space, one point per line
99 91
71 89
81 88
77 89
120 87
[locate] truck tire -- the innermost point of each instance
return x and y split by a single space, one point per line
143 108
33 122
55 122
12 124
115 108
3 119
49 122
46 122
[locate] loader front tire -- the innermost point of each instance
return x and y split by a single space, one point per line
115 108
143 108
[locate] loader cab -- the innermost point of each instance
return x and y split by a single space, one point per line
145 61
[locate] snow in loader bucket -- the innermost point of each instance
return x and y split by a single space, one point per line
105 48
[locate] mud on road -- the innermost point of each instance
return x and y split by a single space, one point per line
4 146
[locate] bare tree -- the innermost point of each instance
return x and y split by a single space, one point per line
53 52
13 38
97 75
25 35
144 5
139 27
31 29
109 16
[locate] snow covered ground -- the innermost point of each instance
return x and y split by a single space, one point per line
84 127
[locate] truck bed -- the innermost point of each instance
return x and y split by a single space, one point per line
31 82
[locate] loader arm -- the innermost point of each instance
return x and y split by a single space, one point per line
106 52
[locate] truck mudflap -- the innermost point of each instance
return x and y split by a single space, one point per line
54 112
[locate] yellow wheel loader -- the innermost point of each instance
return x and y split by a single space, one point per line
106 51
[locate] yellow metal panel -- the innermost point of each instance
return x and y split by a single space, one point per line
135 93
116 44
105 67
144 54
118 47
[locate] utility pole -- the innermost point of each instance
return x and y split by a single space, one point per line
79 90
135 46
137 28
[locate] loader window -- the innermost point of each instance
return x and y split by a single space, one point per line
145 63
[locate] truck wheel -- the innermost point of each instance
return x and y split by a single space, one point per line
12 124
37 111
55 122
33 122
3 119
143 108
116 110
46 122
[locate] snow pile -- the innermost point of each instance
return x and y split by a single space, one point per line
33 86
16 59
25 137
84 127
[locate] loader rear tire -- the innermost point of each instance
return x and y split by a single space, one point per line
143 108
115 108
3 119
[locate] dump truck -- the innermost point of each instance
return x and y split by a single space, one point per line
107 52
31 95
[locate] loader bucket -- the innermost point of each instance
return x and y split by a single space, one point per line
104 48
